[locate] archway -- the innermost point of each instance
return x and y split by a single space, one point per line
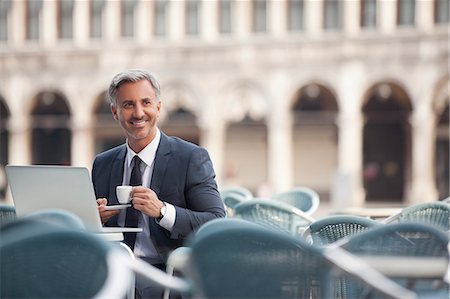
315 138
246 137
246 154
51 133
386 143
107 132
182 123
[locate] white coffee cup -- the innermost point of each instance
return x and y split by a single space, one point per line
124 194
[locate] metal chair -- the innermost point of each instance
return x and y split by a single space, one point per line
40 260
43 260
58 217
333 228
394 242
232 196
273 214
431 213
232 258
7 214
303 198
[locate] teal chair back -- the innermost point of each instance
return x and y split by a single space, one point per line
58 217
432 213
273 214
232 196
333 228
402 240
232 258
7 214
303 198
42 260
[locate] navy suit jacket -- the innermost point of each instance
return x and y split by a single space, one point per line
183 176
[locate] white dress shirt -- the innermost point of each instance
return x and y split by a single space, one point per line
144 246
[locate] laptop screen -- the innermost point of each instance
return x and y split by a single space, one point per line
36 188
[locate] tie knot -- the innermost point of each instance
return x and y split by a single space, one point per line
136 161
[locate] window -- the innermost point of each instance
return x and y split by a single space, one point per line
368 13
405 12
259 15
33 12
333 14
96 11
225 16
65 19
192 17
127 17
441 11
160 17
295 15
5 6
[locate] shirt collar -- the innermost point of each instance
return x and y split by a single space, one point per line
148 153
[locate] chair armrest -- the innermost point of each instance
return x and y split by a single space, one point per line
358 268
158 276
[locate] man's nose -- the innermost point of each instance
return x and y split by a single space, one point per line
138 111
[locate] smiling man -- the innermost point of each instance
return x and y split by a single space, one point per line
175 190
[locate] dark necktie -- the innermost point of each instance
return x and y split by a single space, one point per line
131 218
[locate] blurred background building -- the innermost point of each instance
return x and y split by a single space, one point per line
350 98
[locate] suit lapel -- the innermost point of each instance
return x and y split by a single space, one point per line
117 174
161 160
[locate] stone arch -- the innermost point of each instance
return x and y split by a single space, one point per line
244 108
106 132
246 100
50 128
179 113
314 109
386 108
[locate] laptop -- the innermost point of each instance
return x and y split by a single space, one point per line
35 188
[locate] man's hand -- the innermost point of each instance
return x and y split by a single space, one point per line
105 215
146 201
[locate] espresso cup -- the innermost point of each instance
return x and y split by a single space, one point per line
124 194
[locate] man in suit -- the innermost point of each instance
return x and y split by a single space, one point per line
175 190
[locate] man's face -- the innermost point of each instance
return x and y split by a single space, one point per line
137 111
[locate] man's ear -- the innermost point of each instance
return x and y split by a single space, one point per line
114 111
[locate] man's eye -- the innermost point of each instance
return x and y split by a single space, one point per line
127 105
147 102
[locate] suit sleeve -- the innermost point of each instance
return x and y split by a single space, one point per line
203 201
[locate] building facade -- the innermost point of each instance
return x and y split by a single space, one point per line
350 98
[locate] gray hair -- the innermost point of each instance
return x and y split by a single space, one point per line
131 76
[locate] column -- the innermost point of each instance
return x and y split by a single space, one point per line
213 134
243 16
81 20
277 17
351 15
423 187
16 22
347 190
177 18
213 139
144 21
424 15
209 20
280 162
48 22
82 143
387 15
313 13
111 20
